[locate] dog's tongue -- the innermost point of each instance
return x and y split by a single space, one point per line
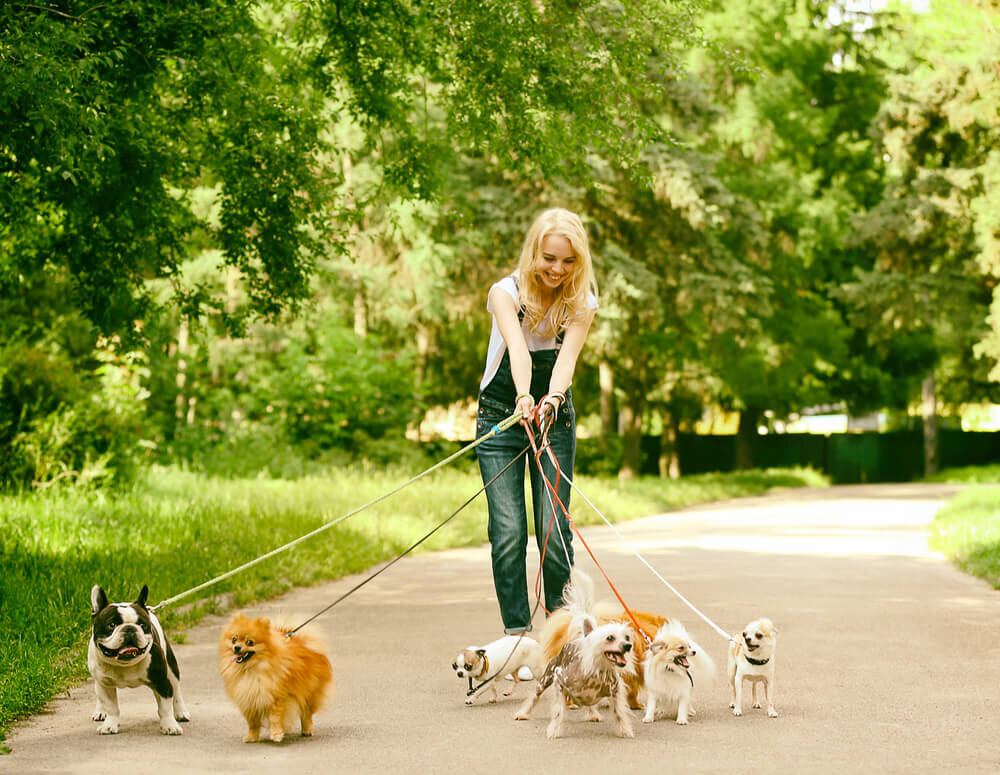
682 661
127 653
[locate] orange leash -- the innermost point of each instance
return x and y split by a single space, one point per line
546 447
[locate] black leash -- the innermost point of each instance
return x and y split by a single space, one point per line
398 557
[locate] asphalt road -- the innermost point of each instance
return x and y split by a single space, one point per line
887 659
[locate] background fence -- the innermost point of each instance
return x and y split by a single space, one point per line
848 458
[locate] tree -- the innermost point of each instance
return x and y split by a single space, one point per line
934 233
793 138
113 112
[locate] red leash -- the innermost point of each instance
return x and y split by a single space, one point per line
546 447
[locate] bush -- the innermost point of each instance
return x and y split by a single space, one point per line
65 424
600 455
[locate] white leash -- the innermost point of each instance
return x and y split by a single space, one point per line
642 559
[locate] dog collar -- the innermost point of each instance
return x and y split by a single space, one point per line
757 662
686 672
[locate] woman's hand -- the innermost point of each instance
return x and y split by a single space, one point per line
524 404
548 408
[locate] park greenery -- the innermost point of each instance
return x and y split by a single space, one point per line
245 248
271 225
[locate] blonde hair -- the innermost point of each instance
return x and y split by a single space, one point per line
570 298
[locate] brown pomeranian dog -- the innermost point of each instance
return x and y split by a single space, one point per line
272 677
556 632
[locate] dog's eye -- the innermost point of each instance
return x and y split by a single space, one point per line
758 636
468 667
611 638
249 642
454 666
234 639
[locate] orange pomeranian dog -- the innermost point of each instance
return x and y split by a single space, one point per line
556 632
272 677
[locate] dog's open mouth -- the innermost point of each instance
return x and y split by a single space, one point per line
682 661
752 646
243 656
616 657
124 654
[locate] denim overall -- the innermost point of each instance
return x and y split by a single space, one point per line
508 531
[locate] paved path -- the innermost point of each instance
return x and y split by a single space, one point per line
887 662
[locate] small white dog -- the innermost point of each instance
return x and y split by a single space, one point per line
674 664
752 659
509 654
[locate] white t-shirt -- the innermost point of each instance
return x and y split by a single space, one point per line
535 342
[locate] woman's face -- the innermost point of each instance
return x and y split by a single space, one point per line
557 261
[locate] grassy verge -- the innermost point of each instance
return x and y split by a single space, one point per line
967 530
177 529
969 475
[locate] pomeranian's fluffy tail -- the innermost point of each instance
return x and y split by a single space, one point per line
578 594
566 623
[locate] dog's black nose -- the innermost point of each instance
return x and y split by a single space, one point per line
627 648
237 648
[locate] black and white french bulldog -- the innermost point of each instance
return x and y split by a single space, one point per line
129 649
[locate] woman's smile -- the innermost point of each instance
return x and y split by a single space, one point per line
556 262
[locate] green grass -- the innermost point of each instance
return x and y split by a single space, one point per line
967 531
176 529
969 474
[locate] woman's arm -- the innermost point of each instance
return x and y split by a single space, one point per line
505 310
576 335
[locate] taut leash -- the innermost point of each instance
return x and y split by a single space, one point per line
400 556
498 428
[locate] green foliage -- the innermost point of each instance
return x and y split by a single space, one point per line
929 235
61 424
312 387
109 110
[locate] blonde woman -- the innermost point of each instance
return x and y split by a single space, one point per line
541 316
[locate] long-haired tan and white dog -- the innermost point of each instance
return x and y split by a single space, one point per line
589 666
273 678
556 632
673 666
751 658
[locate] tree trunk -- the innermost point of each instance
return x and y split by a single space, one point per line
745 437
180 402
631 417
609 420
360 316
670 462
929 412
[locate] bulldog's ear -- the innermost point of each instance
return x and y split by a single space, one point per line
481 652
589 625
141 600
98 600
